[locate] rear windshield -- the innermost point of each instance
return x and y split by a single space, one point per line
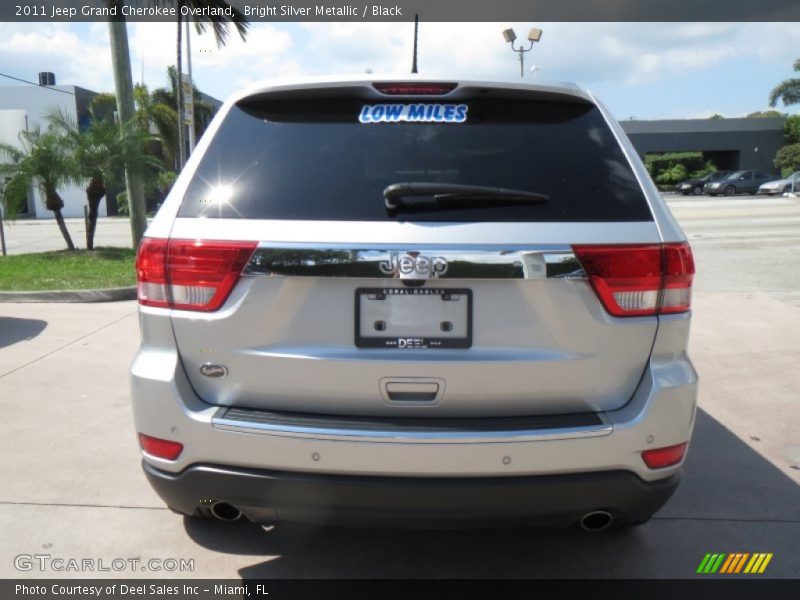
314 160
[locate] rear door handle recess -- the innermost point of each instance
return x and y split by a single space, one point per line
411 390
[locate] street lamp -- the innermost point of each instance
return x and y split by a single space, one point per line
534 35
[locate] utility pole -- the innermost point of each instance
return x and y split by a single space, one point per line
188 95
416 34
123 84
2 231
181 158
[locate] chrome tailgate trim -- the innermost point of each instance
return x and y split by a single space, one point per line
413 261
413 429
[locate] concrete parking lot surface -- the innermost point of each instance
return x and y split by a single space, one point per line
42 235
72 486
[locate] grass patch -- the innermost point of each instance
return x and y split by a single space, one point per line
68 270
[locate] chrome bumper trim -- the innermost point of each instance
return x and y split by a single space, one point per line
554 427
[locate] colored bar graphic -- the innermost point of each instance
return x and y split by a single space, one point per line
755 562
717 563
736 556
734 563
727 564
703 563
741 562
765 563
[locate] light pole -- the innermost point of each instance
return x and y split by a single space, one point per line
534 35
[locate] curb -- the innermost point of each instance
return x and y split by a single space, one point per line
104 295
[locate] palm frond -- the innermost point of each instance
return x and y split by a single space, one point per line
220 24
788 91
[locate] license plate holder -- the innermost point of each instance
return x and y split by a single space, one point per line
413 318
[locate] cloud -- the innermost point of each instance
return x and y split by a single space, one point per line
27 48
264 54
639 61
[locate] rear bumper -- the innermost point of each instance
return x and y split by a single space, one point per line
267 468
267 496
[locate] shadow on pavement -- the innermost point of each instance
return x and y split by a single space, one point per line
13 330
731 500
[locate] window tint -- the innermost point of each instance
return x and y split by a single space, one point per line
312 159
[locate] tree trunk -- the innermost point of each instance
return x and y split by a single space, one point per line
54 202
123 82
94 193
63 227
179 90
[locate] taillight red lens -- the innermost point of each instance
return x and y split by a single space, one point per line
151 272
660 458
160 448
678 276
639 279
415 89
189 274
627 279
202 273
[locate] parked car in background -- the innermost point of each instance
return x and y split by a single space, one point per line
695 186
781 186
740 182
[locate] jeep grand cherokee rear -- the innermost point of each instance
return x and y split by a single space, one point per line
424 301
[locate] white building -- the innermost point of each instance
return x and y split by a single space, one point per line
24 107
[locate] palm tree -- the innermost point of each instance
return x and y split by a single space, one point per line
101 152
123 82
153 112
42 161
787 90
220 26
103 104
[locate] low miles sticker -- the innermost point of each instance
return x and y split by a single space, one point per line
413 113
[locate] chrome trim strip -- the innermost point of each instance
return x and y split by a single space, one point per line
411 437
393 261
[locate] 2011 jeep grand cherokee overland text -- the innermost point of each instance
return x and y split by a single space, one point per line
424 302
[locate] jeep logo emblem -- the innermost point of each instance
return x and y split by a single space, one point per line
414 265
214 371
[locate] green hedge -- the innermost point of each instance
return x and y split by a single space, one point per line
671 168
788 159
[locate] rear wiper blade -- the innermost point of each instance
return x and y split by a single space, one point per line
440 194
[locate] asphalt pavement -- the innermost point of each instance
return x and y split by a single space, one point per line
73 487
42 235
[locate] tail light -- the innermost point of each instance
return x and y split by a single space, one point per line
160 448
415 89
660 458
678 275
639 279
189 274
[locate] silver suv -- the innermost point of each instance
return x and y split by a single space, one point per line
424 301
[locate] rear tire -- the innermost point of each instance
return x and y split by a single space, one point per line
730 190
697 190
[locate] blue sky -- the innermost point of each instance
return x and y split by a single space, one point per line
646 70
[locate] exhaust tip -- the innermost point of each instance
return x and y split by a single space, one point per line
597 520
225 512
